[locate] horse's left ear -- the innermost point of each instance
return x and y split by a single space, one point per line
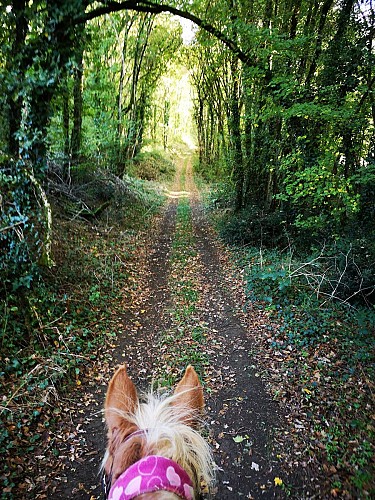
122 398
189 392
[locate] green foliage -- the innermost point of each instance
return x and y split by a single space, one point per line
152 166
319 195
286 287
20 228
220 196
306 123
254 226
213 170
121 73
339 267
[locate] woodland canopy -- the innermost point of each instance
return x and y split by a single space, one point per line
283 112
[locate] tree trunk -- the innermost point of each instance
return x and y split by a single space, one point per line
166 115
122 77
46 254
76 139
234 122
235 133
135 129
66 117
319 40
14 99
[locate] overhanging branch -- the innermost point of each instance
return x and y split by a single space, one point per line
155 8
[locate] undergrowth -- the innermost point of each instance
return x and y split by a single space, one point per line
339 266
186 335
326 349
54 328
151 166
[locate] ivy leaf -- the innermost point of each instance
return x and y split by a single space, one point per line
239 439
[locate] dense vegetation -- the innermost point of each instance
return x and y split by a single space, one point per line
284 116
294 129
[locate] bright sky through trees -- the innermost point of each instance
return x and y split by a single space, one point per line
188 30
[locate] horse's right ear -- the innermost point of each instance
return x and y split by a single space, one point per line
189 392
121 398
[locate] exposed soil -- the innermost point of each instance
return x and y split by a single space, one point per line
246 425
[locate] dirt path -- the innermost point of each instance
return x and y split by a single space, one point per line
243 420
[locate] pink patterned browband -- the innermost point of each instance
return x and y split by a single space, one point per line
149 474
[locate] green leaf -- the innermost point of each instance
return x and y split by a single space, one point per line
239 439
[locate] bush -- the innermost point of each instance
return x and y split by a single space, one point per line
221 197
339 266
254 226
211 170
21 226
294 290
151 166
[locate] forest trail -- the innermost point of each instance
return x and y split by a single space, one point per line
158 341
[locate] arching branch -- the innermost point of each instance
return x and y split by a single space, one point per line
155 8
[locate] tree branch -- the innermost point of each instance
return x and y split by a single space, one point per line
46 256
365 95
6 228
155 8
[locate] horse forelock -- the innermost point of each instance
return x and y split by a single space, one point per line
167 434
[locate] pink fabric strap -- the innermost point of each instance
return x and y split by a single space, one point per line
149 474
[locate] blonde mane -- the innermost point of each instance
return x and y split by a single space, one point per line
157 424
167 435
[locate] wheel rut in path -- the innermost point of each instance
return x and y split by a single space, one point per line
243 420
81 478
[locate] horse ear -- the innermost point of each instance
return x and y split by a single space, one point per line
189 392
121 398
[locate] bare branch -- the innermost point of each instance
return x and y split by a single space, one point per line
6 228
328 279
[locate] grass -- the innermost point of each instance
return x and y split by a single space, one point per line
185 337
